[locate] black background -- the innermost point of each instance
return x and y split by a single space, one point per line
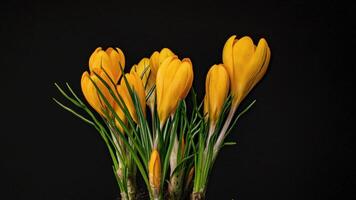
296 143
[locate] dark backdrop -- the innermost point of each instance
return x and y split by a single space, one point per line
296 143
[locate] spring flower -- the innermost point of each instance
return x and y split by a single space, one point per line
136 84
245 63
173 82
154 171
110 60
157 59
90 92
217 90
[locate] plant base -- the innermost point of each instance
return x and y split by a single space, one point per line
197 196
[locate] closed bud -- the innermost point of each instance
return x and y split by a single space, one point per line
154 171
216 91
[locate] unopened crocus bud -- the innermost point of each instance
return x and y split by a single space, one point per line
110 60
154 171
246 64
137 86
216 91
91 93
173 82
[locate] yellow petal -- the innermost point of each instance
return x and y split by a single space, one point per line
136 84
142 67
90 92
154 62
121 115
166 77
161 77
206 106
187 65
170 75
117 58
154 170
243 51
228 59
265 64
217 90
140 91
249 71
122 57
93 57
165 53
180 80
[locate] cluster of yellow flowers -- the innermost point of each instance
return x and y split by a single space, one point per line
162 81
173 81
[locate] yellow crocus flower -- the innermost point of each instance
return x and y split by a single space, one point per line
216 91
157 59
136 84
173 82
110 60
154 171
246 64
90 92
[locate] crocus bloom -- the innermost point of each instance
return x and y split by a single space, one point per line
110 60
92 95
216 91
173 82
245 63
137 86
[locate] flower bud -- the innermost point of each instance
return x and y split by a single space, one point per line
154 170
110 60
245 63
173 82
216 89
